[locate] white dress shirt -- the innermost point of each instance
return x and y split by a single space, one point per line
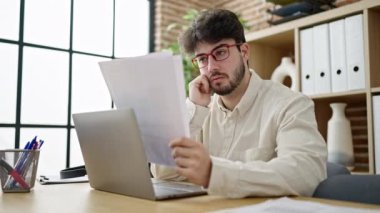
269 145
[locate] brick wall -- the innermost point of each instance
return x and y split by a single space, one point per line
172 11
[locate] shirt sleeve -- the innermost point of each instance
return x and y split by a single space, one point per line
297 169
197 117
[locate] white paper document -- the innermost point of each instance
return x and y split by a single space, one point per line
287 205
153 86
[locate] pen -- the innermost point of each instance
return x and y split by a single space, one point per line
22 162
26 145
14 174
31 145
42 142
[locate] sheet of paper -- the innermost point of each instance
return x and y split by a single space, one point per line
152 85
287 205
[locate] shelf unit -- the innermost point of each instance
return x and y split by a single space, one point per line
270 45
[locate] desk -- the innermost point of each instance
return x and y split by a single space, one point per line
80 197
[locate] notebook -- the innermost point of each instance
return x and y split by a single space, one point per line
115 159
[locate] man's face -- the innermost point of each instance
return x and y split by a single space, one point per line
224 75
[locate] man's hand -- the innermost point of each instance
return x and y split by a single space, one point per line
200 91
192 160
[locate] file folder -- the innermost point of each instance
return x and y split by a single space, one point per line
307 67
321 58
376 128
338 56
355 52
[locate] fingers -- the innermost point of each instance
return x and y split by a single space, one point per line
183 162
180 152
194 172
203 85
189 173
181 142
192 160
185 172
183 147
200 91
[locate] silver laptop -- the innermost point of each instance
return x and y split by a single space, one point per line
115 159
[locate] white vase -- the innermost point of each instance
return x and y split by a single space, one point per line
339 137
285 69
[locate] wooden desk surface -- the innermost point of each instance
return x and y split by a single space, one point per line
80 197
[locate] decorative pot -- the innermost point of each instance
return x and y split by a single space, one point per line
285 69
339 137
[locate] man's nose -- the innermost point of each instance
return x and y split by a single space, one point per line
211 63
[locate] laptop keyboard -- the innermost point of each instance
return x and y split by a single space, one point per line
175 186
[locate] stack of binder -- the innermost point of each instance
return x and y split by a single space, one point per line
376 128
332 56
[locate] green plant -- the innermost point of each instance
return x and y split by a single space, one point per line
189 71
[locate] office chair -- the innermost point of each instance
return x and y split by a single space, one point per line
336 169
341 185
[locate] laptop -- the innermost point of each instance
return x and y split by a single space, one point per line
115 159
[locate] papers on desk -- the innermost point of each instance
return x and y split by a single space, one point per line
153 86
287 205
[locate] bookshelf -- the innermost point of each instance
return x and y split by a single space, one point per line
268 46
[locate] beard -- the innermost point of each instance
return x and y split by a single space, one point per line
233 83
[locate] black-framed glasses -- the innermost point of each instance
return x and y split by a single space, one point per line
219 53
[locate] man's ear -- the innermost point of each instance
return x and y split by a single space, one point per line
244 48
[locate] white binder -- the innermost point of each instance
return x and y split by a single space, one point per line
338 56
321 57
376 128
307 66
355 52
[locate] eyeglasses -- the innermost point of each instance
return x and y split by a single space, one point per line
219 53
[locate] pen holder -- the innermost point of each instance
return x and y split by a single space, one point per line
18 169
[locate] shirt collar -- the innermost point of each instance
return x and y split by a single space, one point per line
248 97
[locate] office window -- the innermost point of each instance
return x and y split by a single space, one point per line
49 55
8 82
9 19
53 152
93 26
89 90
7 138
48 27
44 86
125 28
75 152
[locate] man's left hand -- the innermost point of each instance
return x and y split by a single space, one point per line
192 160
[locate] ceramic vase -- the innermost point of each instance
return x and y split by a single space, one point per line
286 68
339 137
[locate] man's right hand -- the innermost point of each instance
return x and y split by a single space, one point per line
200 91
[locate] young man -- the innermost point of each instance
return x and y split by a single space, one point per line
253 137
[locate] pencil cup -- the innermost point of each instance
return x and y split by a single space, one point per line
18 169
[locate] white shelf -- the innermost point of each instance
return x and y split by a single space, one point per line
268 46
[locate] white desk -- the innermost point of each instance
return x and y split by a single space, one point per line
80 197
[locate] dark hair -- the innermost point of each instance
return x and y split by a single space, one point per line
211 26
